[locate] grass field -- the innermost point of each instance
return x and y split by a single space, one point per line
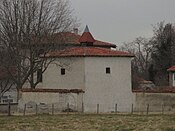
88 122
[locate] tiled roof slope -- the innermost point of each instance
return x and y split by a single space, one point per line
101 43
86 36
72 38
88 52
171 68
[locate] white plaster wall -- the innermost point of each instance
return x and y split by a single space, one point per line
155 101
89 74
10 94
27 84
59 99
73 78
108 89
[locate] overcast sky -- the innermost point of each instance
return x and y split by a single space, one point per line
120 21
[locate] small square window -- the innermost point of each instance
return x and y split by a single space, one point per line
62 71
108 70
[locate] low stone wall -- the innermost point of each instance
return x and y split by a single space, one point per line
157 102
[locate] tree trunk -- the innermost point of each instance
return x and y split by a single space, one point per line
32 81
18 94
0 98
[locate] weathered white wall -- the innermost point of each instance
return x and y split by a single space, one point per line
73 78
155 101
89 74
60 100
108 89
171 78
10 94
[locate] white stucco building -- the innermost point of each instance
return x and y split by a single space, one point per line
171 71
87 78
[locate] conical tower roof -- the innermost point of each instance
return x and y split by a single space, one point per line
86 36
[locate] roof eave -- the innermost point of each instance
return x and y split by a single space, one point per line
88 56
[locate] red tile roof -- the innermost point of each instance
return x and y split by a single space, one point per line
171 68
86 38
102 43
75 39
72 38
89 52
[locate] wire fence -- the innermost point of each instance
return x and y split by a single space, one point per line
42 108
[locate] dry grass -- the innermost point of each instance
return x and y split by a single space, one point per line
88 122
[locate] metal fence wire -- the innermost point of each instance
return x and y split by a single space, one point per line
32 108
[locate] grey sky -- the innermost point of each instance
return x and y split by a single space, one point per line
120 21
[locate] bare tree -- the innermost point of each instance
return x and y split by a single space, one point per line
29 28
163 54
6 83
141 48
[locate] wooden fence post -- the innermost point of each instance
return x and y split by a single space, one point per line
115 108
147 109
36 109
163 108
9 109
24 110
82 107
132 110
68 108
52 109
97 108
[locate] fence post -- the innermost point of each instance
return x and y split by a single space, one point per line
24 110
147 109
132 110
115 108
52 109
162 108
82 107
9 109
68 108
36 109
97 108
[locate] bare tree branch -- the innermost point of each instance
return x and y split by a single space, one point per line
26 28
